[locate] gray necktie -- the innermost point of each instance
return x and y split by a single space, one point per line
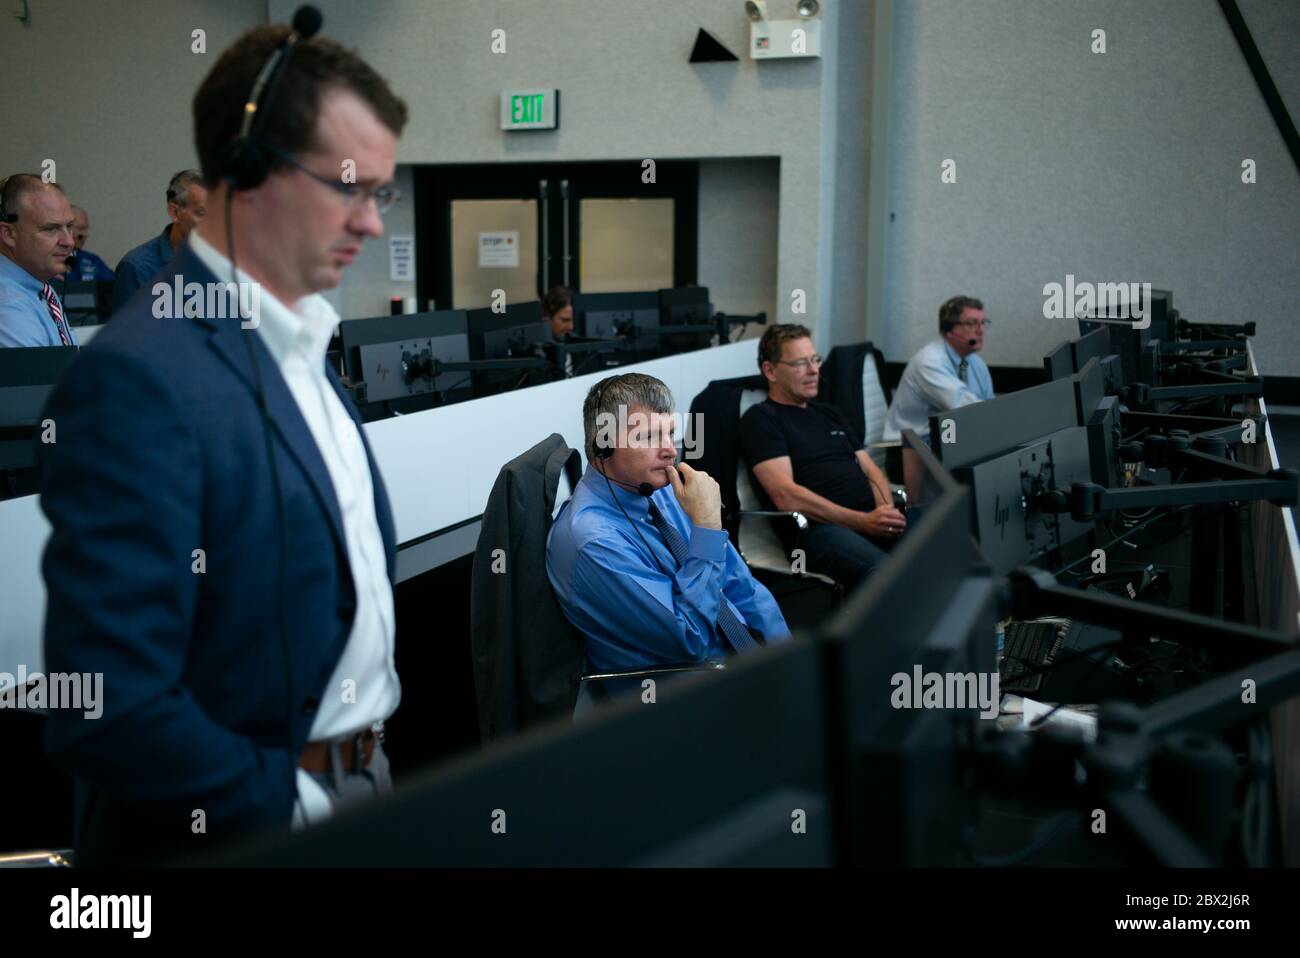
731 627
962 370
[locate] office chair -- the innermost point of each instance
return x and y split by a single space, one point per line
529 660
856 387
719 408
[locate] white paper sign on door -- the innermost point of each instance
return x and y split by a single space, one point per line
498 248
401 259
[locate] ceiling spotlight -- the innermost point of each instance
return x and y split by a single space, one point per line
808 8
756 10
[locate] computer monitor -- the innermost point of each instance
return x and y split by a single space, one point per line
85 302
27 377
1164 318
393 356
1136 347
981 430
1021 498
687 306
929 611
1020 454
517 332
1094 344
1059 363
724 768
610 315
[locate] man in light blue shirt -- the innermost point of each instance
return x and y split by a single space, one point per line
946 373
35 243
637 556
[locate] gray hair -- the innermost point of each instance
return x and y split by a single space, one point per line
628 391
178 188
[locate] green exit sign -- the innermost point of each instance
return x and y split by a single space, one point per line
530 109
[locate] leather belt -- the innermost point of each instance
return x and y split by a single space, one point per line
354 752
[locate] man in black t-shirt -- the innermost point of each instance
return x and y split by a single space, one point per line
805 457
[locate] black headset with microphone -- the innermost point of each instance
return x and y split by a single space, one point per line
604 451
247 161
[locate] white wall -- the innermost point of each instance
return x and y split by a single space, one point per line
739 200
627 93
103 87
1117 166
116 117
366 288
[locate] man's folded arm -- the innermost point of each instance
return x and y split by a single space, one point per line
668 616
122 487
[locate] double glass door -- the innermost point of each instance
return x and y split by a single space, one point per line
521 229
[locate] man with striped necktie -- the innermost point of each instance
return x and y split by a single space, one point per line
637 556
36 239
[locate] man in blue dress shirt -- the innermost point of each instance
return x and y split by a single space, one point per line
35 243
637 556
187 203
89 267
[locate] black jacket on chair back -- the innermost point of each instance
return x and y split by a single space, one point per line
527 657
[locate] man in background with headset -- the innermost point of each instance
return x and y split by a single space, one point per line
637 556
187 203
36 240
222 547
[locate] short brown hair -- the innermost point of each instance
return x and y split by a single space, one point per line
556 300
317 65
775 338
951 311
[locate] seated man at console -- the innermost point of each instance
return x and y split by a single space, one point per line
637 556
945 373
805 457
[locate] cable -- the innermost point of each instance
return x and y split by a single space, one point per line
1120 538
612 495
1096 663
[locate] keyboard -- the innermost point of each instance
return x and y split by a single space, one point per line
1027 648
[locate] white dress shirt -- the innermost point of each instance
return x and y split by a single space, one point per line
364 688
931 384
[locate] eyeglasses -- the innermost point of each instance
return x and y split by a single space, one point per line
973 323
802 364
354 195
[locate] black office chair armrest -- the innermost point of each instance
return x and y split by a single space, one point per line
651 671
800 520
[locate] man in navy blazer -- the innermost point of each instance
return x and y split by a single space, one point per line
222 547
